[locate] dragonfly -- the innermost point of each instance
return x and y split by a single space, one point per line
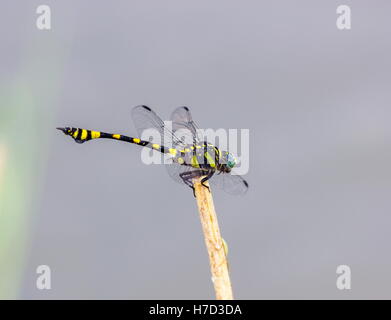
189 155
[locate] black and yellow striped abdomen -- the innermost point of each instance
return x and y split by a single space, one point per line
83 135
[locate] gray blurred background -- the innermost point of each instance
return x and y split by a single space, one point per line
316 100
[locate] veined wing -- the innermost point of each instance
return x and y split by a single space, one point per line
232 184
174 170
145 118
184 127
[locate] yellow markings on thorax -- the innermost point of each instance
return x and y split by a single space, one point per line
210 160
186 150
218 152
194 161
75 133
95 134
116 136
156 146
136 140
181 161
172 151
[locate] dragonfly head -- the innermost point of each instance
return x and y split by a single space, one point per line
229 161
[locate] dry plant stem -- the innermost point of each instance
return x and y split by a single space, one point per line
214 242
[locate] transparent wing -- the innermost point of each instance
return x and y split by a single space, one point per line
184 127
174 170
232 184
145 118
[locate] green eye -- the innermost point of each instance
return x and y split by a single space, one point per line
231 161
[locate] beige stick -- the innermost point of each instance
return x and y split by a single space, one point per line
214 242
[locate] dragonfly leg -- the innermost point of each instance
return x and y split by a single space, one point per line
187 180
188 177
194 195
208 176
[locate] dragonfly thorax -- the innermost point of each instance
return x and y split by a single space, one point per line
204 156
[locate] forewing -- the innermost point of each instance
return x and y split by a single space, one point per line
183 125
145 118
